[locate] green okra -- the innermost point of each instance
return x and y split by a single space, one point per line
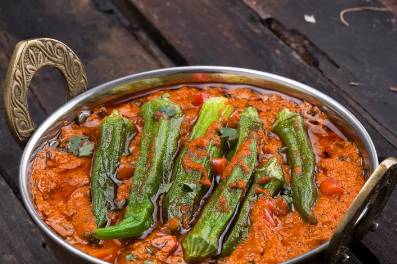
240 229
289 126
159 143
203 240
246 123
115 133
185 193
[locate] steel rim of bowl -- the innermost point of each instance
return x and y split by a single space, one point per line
299 87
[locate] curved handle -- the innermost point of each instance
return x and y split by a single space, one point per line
366 207
28 57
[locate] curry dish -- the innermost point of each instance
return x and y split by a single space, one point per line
197 174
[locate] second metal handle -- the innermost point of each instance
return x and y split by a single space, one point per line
364 210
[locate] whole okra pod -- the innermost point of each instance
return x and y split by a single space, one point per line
203 240
115 133
289 126
275 180
192 172
162 121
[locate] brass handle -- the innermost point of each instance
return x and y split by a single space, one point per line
370 201
28 57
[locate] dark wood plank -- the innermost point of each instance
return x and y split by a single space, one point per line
21 242
356 56
98 37
108 49
229 33
10 151
106 45
362 53
383 242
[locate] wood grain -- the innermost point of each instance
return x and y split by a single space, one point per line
10 151
104 44
236 34
270 35
358 59
21 242
108 49
229 33
363 53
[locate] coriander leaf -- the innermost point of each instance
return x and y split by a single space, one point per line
287 190
228 133
86 149
165 95
164 187
229 137
149 250
286 193
82 117
189 187
148 262
74 144
168 110
283 149
289 201
191 195
130 257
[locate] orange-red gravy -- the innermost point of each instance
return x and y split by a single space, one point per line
61 182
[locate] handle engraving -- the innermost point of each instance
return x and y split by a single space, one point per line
28 57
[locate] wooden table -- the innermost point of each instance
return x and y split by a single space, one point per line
303 39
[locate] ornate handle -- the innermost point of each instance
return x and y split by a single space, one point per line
370 201
28 57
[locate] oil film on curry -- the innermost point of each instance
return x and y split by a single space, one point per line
197 174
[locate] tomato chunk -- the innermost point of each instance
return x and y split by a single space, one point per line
200 77
269 218
218 165
126 169
281 205
199 99
105 253
331 187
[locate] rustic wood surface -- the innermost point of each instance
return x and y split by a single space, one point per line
356 65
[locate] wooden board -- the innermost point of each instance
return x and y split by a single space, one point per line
236 34
230 33
363 53
107 47
20 240
10 151
104 44
359 59
265 35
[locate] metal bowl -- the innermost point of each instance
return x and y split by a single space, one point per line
134 86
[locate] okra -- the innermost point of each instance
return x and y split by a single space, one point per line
115 133
162 121
246 124
192 172
239 232
289 126
203 240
